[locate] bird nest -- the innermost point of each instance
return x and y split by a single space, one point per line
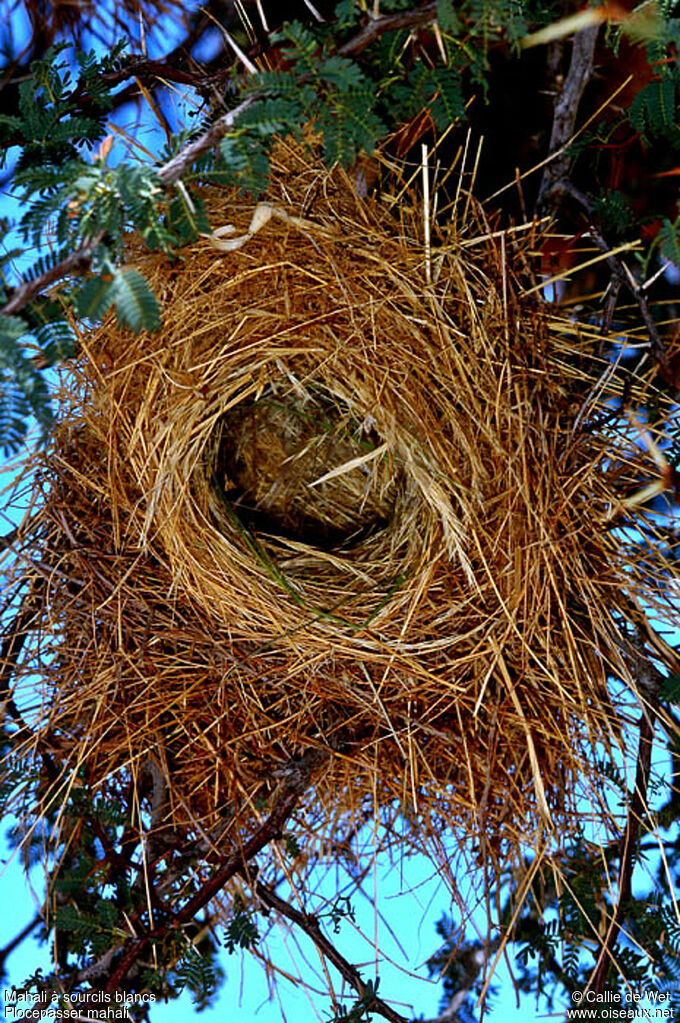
351 499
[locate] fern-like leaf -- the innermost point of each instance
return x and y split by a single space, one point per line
95 297
136 305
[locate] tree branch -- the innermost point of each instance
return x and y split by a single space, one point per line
15 942
566 111
10 651
309 923
387 23
173 170
296 782
8 539
622 276
76 263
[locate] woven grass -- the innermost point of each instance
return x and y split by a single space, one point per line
352 498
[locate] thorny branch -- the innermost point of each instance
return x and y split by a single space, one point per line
173 170
622 276
309 923
6 951
75 263
556 183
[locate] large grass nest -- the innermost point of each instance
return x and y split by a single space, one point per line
352 498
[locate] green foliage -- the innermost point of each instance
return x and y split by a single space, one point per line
457 963
245 155
127 290
136 305
94 297
241 931
614 212
671 689
199 973
57 341
359 1012
186 217
558 936
447 17
668 240
437 88
23 390
92 933
292 845
652 112
346 13
48 124
330 90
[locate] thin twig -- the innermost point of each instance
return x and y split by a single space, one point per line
10 651
77 262
15 942
309 923
622 275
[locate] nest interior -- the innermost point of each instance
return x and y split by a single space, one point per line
341 501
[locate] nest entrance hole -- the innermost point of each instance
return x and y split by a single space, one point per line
271 454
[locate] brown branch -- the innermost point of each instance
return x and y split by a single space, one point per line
629 844
77 262
7 950
296 783
623 276
8 539
173 170
377 27
309 923
566 110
